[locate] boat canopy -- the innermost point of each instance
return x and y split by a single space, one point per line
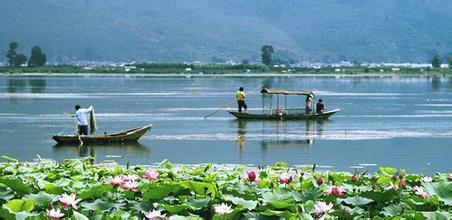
287 92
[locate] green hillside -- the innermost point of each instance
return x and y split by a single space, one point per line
188 30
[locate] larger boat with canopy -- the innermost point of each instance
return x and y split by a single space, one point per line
281 111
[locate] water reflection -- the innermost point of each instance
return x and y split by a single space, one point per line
101 152
272 134
436 83
37 85
21 85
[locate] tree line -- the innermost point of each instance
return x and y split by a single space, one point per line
37 57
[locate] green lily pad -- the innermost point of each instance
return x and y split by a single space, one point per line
442 189
248 204
17 185
18 205
356 201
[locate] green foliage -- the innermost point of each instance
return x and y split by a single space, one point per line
266 55
436 61
37 58
15 59
449 61
27 192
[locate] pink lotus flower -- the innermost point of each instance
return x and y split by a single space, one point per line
335 191
155 215
319 180
68 200
322 208
285 178
150 175
130 185
54 214
222 209
252 176
402 183
354 178
132 177
117 180
420 192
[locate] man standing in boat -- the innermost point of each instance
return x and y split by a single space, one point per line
320 107
81 119
309 103
240 96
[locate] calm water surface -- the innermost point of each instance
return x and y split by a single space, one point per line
405 122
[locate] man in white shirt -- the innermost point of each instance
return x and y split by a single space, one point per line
81 118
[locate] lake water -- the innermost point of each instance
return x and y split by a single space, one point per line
404 122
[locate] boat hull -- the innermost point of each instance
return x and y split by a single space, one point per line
322 116
131 135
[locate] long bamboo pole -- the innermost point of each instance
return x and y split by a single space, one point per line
228 104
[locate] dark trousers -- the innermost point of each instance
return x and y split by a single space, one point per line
242 104
83 129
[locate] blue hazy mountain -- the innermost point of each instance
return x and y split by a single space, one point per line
187 30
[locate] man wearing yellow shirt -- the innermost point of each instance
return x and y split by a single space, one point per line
240 96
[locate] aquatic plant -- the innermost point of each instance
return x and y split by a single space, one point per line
78 190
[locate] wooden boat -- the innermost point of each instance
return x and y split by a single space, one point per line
122 136
282 116
284 113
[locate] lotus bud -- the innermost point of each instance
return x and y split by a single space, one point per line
319 180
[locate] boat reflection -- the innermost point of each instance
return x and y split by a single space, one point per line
281 133
102 152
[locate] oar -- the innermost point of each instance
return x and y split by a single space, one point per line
227 105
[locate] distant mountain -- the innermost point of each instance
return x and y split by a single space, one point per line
206 30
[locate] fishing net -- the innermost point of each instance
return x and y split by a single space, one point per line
92 122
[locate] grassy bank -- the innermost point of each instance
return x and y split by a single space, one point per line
220 69
78 190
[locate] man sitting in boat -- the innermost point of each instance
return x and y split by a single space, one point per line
81 118
240 96
320 107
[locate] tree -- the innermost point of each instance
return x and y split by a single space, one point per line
37 58
11 54
267 51
449 60
20 60
245 61
436 61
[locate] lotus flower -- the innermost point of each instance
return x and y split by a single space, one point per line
420 192
402 183
335 191
391 186
252 176
322 208
222 209
68 200
150 175
117 180
54 214
449 176
130 185
319 180
132 177
154 215
354 178
426 179
285 178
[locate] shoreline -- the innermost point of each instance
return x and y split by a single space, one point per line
224 75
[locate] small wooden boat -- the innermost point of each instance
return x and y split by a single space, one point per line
282 112
122 136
